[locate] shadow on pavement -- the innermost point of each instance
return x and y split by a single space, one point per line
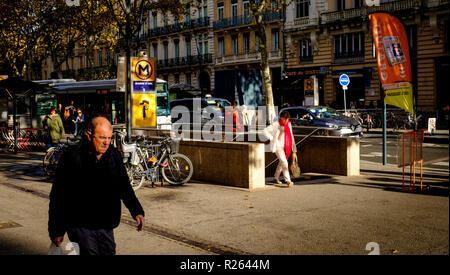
305 179
17 247
428 190
401 173
23 166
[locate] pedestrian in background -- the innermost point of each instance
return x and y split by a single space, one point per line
54 127
235 114
85 199
282 143
69 116
78 121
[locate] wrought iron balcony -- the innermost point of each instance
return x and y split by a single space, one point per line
185 61
358 13
247 57
202 22
244 20
349 57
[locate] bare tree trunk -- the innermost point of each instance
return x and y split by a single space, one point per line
266 77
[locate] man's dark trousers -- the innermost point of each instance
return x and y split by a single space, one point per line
93 241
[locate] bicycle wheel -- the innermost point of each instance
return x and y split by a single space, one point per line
179 169
49 162
136 175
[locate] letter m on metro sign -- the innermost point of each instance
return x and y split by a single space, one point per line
143 74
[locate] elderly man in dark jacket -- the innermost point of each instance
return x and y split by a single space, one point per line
85 200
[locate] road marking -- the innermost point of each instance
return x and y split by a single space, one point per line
367 156
380 154
436 161
441 163
10 224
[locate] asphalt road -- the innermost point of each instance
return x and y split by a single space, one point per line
435 150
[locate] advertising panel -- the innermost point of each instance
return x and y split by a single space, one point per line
394 64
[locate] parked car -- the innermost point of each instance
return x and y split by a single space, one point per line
198 110
325 118
218 103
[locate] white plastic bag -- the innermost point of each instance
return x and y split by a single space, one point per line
55 250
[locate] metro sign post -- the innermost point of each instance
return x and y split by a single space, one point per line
143 78
344 80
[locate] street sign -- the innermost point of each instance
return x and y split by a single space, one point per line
143 90
143 74
344 80
144 110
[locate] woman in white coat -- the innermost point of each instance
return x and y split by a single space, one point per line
282 143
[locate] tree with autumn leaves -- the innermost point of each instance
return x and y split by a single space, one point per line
33 30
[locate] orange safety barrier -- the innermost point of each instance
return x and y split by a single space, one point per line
411 144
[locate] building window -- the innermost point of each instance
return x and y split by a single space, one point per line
166 50
234 12
246 5
200 48
155 20
340 5
411 32
199 12
220 11
302 8
205 47
246 42
258 42
188 47
357 4
188 78
176 78
188 13
221 46
275 39
349 46
155 50
306 54
234 39
177 48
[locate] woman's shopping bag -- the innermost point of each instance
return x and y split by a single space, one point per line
295 169
55 250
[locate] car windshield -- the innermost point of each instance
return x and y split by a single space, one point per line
219 103
324 112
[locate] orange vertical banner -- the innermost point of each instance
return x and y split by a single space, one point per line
394 63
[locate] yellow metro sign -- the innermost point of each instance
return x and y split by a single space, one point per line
143 69
144 110
143 79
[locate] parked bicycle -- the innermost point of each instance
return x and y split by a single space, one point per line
53 154
154 162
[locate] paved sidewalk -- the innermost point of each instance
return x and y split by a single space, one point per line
320 214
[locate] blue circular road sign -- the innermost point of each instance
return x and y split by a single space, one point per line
344 80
